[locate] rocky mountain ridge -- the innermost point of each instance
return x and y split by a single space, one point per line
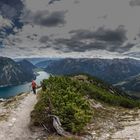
13 73
109 70
132 84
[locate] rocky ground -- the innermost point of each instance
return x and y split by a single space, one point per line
131 126
15 118
109 123
114 123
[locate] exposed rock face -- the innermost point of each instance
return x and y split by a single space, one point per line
12 73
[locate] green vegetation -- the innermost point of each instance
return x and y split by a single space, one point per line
112 99
103 92
66 97
66 101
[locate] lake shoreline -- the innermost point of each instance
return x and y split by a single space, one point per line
10 85
13 90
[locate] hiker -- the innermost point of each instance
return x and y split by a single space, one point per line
34 86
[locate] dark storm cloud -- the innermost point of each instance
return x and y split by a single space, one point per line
121 49
52 1
70 45
79 46
11 9
107 35
101 39
44 18
76 1
44 39
22 48
134 3
30 37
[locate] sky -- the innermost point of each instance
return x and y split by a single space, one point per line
70 28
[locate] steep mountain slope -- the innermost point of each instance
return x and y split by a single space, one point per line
32 60
26 66
111 71
131 84
12 73
46 63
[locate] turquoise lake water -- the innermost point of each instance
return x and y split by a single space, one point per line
6 92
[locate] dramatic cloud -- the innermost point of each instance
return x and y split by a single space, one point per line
45 18
10 9
76 1
108 35
52 19
52 1
135 3
101 39
10 12
44 39
70 28
70 45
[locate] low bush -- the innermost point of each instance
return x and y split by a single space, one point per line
65 101
65 98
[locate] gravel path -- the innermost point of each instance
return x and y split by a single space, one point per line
16 127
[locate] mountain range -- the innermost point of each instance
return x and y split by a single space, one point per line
130 84
112 71
109 70
122 73
13 73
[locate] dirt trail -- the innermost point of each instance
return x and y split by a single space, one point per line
131 130
16 127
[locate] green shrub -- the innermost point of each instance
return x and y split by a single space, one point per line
70 105
113 99
65 97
